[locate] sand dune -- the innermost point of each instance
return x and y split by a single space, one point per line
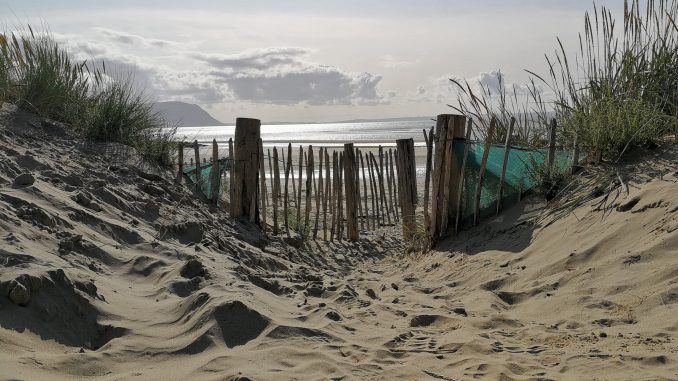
108 270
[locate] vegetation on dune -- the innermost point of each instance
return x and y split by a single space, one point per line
40 76
622 90
619 91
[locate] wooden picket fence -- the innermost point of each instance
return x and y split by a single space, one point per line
341 192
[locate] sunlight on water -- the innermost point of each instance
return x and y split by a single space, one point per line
362 134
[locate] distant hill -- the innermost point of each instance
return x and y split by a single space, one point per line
185 114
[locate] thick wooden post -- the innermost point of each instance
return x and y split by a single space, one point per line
407 186
246 168
462 176
350 187
481 174
446 169
552 144
507 150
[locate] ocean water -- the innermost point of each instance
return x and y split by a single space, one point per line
362 134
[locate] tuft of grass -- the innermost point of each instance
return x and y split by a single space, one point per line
547 182
623 90
417 239
38 75
504 104
295 224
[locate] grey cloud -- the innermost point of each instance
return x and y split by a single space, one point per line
133 39
274 75
278 75
264 58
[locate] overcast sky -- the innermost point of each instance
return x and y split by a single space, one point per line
311 60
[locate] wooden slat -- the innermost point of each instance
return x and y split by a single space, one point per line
288 168
309 187
502 178
333 203
231 181
365 196
198 177
276 190
406 163
318 193
350 192
481 174
462 177
552 144
326 194
262 185
575 156
428 137
215 175
299 187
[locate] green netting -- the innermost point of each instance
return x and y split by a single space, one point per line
516 174
206 176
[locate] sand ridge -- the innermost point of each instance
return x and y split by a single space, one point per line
108 270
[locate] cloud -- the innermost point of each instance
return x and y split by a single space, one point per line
442 90
261 59
133 39
388 61
281 75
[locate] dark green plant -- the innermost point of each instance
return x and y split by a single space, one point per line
546 182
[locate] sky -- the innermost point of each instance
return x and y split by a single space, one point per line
311 61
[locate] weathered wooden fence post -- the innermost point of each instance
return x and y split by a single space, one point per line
552 144
507 150
180 159
350 187
215 175
428 137
198 177
481 173
462 176
407 186
246 168
262 185
446 174
575 155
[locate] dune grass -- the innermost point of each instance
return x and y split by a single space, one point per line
40 76
622 90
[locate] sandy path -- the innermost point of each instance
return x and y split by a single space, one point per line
127 277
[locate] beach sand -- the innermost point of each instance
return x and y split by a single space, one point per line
111 271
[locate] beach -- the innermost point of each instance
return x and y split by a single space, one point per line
112 271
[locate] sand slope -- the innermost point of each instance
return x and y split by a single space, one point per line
110 271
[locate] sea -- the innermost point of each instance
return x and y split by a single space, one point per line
361 134
367 136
